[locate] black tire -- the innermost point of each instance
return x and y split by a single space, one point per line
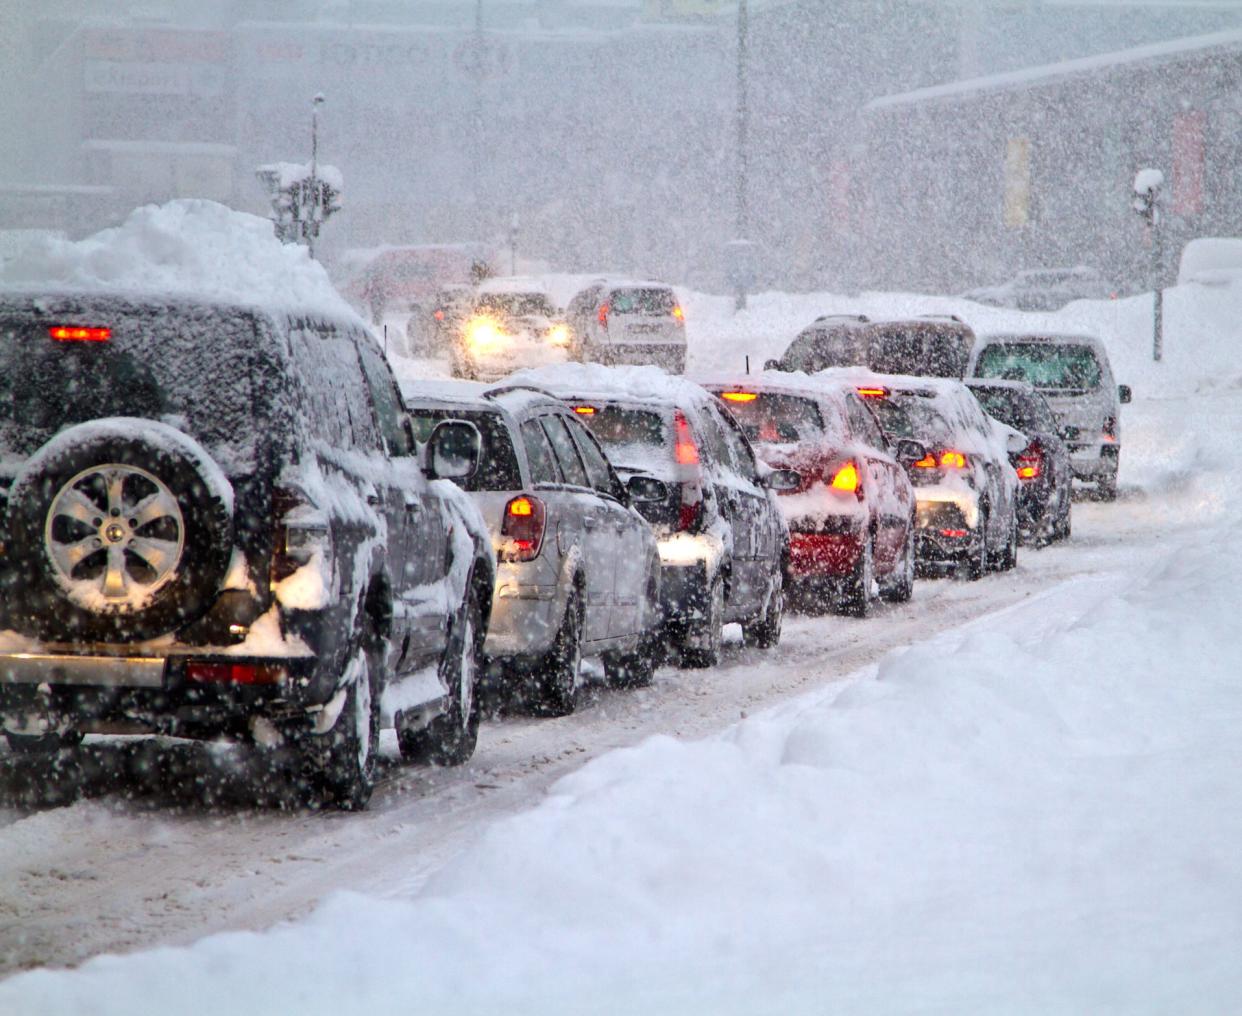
764 632
342 761
553 681
450 739
709 630
633 670
1106 488
855 598
1064 524
42 744
978 563
900 588
1008 559
79 465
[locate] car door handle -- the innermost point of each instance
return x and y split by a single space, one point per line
590 521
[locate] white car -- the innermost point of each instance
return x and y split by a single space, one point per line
513 323
629 323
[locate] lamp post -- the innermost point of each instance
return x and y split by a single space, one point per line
743 114
316 210
1147 187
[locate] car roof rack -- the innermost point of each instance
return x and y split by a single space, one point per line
942 317
861 318
492 393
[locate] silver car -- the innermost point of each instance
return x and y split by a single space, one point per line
578 570
628 322
1073 373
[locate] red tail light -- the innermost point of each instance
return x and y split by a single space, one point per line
1030 463
584 410
846 479
678 313
928 461
1110 428
603 314
522 529
439 315
72 333
234 673
686 452
952 460
873 393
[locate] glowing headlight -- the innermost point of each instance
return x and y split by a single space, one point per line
483 335
558 335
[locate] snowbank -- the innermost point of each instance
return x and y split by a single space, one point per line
186 247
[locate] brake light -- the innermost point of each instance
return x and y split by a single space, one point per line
1030 463
234 673
439 315
585 410
739 396
686 452
873 393
603 314
1110 428
953 534
691 510
846 479
301 532
928 461
678 313
72 333
522 529
952 460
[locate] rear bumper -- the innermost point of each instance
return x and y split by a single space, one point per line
1095 461
684 591
944 533
525 619
824 555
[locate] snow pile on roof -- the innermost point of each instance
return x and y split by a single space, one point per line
596 380
191 248
286 174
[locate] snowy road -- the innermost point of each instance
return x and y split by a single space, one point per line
166 850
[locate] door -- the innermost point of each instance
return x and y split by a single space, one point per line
881 484
745 502
599 564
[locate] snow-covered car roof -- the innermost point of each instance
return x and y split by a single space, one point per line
1047 338
596 381
439 390
513 284
810 386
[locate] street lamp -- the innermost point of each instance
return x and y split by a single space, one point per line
739 249
316 211
1147 187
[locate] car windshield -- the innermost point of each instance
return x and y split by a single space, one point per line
155 363
1042 364
498 464
1018 409
642 301
628 435
515 304
769 419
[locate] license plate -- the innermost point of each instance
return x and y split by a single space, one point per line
644 329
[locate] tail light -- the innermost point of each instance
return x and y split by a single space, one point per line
301 533
686 451
928 461
522 529
1110 428
235 673
691 509
952 460
73 333
1030 463
846 479
603 314
876 392
439 314
678 313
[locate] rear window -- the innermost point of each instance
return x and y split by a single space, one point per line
498 464
642 301
191 363
1042 364
1017 409
630 437
913 416
920 351
770 419
821 348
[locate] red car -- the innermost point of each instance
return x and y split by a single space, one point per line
851 519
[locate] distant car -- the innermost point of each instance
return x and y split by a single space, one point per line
1074 375
579 572
723 541
217 524
435 321
1045 289
965 487
851 518
929 346
629 323
1045 477
512 323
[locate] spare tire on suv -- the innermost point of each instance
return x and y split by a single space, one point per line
119 530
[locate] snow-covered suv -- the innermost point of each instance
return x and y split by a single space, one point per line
214 524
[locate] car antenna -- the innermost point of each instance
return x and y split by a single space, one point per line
748 365
385 341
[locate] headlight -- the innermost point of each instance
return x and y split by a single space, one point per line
558 335
483 335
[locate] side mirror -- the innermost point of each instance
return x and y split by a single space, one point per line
646 489
1016 443
771 364
1123 393
909 451
783 480
453 451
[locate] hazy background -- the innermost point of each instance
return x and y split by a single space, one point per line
608 127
